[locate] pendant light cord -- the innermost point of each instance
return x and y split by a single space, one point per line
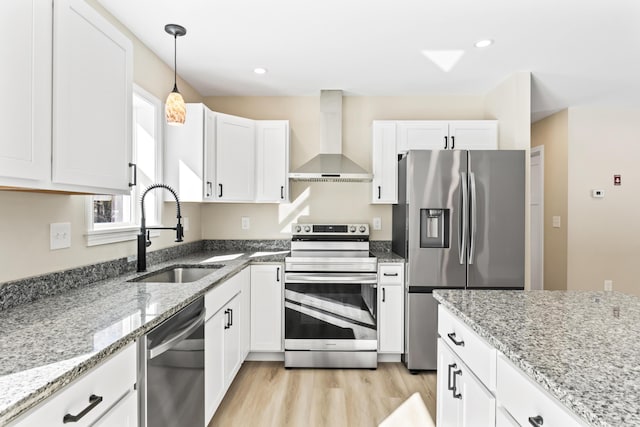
175 62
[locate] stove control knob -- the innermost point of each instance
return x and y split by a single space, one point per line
307 228
352 229
363 228
298 228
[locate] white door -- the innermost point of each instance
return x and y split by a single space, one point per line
448 407
232 357
473 135
391 318
478 405
385 163
266 307
422 135
92 99
245 312
25 113
209 142
537 217
272 160
235 153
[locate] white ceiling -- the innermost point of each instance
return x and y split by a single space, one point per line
579 51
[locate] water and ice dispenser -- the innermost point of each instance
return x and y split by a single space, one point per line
434 228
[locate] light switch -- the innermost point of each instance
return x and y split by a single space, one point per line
60 235
245 223
555 221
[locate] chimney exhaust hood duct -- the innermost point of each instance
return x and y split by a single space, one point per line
330 165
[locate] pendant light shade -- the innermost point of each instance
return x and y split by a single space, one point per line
175 110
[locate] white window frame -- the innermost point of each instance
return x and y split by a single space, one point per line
123 232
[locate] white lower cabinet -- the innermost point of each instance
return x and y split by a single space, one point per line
223 333
462 398
391 308
91 398
266 307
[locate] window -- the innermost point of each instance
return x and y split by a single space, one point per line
116 218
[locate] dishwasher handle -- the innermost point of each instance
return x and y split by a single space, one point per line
176 338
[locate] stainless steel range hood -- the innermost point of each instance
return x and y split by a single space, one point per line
331 165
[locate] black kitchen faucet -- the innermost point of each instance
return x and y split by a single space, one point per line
143 237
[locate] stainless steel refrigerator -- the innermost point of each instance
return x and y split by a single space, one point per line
460 224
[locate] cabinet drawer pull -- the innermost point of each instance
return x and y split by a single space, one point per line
390 274
452 337
453 142
227 323
209 188
220 194
450 387
455 387
384 295
282 192
446 144
94 401
135 175
379 192
536 421
231 313
278 274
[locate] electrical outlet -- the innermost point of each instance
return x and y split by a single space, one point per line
608 285
555 220
60 235
377 223
245 223
185 224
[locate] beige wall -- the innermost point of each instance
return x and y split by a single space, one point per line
510 104
552 133
25 217
324 201
603 233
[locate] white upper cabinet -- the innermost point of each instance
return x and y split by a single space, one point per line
272 161
385 163
189 160
25 116
422 135
235 153
447 135
92 99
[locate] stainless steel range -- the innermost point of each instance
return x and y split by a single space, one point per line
330 298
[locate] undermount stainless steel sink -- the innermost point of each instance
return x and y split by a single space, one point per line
179 274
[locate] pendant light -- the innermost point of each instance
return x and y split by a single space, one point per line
175 110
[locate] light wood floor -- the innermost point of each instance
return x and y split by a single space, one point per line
264 394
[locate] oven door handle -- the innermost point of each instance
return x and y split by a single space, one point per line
329 279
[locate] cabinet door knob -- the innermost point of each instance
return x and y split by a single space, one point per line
94 401
135 175
452 337
536 421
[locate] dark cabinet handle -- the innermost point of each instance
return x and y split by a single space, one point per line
282 192
452 337
379 192
209 188
450 387
94 401
220 194
453 142
231 316
446 143
135 175
536 421
384 295
455 387
390 274
227 323
278 274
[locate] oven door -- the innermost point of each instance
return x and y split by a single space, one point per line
330 311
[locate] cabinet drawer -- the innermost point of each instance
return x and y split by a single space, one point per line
473 350
220 295
522 398
391 274
110 380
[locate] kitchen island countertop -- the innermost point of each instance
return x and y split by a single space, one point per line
583 347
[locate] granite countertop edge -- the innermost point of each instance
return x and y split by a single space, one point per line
14 410
559 392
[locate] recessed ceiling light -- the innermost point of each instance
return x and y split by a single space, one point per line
260 70
484 43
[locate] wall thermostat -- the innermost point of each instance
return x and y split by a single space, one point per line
597 194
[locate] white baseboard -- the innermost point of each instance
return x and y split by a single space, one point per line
264 356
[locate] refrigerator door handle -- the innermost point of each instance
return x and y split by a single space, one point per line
464 215
474 217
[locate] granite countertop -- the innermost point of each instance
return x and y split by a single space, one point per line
581 346
76 330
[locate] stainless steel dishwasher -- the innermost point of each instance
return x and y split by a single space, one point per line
172 370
